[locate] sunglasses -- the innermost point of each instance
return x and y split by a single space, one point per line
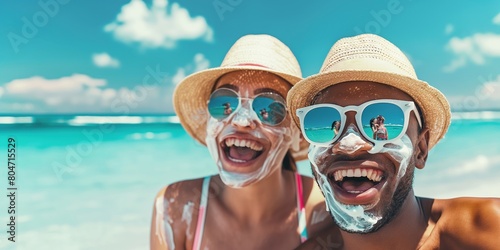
378 120
269 107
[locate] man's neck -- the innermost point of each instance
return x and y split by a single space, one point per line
405 231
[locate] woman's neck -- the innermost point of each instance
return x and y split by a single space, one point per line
263 199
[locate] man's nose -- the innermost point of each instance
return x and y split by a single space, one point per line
351 141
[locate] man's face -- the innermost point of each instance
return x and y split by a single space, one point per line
380 191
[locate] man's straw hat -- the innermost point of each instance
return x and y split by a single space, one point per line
250 52
371 58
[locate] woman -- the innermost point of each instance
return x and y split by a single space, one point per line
335 127
258 201
381 132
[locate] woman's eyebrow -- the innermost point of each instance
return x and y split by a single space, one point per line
265 90
229 86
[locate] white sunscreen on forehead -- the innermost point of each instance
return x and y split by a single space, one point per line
355 218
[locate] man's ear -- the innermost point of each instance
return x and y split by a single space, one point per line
422 148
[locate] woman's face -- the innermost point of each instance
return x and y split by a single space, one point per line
246 149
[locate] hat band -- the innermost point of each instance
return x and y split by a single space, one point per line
252 64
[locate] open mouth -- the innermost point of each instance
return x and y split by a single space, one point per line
242 150
356 180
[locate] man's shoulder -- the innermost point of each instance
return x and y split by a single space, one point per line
468 223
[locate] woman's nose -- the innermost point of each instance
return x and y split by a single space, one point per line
244 117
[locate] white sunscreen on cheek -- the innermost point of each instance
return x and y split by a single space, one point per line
401 150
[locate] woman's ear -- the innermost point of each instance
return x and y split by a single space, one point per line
422 148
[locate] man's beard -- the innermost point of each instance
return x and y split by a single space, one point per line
404 187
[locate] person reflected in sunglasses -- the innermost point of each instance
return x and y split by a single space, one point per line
227 108
264 114
257 199
381 131
367 182
335 127
374 126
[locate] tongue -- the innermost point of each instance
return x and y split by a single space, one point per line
242 153
357 185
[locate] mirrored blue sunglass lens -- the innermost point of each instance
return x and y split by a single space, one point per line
322 124
383 121
222 103
269 109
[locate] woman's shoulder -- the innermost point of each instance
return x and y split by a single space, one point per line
181 192
318 219
174 207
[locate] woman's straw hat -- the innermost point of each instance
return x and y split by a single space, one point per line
371 58
250 52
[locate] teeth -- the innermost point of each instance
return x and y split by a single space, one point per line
371 174
243 143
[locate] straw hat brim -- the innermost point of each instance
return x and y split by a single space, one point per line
192 93
433 104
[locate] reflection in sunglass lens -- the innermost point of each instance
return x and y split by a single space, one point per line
322 124
383 121
269 110
222 103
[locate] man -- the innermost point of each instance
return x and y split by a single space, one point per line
368 183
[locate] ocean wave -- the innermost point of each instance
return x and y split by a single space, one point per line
83 120
476 115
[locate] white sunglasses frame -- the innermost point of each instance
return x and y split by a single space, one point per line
250 100
405 106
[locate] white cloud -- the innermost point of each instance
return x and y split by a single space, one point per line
104 60
181 74
455 64
449 29
491 89
496 19
475 48
199 63
78 94
479 164
160 25
485 97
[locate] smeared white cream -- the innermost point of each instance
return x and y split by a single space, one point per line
355 218
187 213
401 150
242 117
164 230
352 141
350 217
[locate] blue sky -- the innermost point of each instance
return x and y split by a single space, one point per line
125 57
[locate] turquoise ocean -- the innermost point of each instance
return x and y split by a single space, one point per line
88 182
